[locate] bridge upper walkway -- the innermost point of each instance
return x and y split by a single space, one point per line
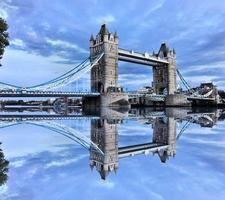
140 58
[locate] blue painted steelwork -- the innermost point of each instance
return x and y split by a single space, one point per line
61 81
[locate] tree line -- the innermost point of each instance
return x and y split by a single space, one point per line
4 37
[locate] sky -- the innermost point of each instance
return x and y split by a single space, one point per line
47 39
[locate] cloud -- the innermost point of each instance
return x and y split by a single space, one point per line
3 190
105 19
130 83
155 8
67 45
17 163
18 43
140 27
64 162
3 14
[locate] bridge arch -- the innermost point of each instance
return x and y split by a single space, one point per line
100 87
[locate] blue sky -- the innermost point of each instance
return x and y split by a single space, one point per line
49 38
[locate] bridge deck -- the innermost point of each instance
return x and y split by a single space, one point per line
140 149
46 94
27 117
200 98
140 58
152 97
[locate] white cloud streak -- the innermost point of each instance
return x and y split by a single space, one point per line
65 44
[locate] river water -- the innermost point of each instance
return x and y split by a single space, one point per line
135 154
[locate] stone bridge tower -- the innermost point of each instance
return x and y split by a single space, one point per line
164 76
104 76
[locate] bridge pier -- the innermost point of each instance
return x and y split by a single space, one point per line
179 100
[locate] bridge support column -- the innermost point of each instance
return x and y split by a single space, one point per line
164 76
104 75
178 100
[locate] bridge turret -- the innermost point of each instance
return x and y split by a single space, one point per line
172 83
105 74
116 37
164 76
92 40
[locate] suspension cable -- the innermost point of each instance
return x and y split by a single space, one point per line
185 83
62 79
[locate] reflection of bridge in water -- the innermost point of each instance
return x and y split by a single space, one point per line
63 130
104 133
103 142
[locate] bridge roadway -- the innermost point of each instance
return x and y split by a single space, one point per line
47 94
37 117
190 98
140 58
145 148
152 97
131 95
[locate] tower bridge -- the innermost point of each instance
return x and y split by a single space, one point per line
103 66
104 75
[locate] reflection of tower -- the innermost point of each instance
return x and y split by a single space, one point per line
104 134
164 132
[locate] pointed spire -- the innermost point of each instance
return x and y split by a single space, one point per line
92 38
163 49
103 174
174 51
104 30
115 34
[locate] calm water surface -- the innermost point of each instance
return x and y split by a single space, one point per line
140 154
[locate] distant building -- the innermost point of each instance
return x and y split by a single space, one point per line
146 90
